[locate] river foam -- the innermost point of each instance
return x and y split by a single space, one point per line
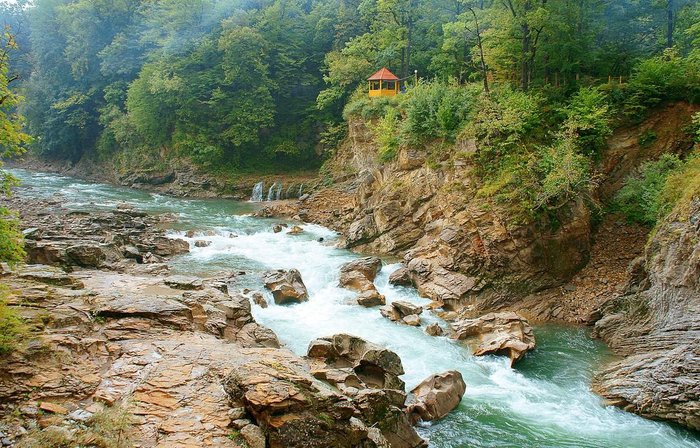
545 402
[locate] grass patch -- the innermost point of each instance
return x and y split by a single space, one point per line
13 330
110 428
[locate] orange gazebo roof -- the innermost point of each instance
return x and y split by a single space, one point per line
383 75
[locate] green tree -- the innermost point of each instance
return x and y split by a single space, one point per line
12 143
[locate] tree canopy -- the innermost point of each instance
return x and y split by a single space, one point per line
255 83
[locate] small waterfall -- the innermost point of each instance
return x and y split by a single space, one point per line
271 192
257 195
278 195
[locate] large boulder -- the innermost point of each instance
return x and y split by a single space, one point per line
497 334
358 275
296 410
436 396
401 277
286 286
88 255
403 312
352 364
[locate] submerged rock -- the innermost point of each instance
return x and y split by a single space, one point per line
286 286
497 334
436 396
295 230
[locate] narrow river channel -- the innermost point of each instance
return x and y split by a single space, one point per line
545 402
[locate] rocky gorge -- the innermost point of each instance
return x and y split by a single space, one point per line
118 327
466 254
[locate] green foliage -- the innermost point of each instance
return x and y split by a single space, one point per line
588 117
360 105
386 135
640 199
647 138
666 77
11 241
12 143
12 327
564 174
682 187
502 125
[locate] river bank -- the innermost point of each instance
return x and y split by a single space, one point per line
179 178
553 381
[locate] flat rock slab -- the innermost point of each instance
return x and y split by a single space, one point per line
48 274
167 311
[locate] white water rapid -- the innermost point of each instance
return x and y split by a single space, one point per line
544 402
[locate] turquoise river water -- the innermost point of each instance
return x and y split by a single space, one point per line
544 402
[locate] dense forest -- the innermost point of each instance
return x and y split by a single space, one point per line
262 84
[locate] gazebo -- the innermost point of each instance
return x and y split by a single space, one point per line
383 83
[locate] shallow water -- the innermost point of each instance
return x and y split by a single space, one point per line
545 402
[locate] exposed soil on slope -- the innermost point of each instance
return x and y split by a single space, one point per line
615 245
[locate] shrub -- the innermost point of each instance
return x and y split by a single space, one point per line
588 116
682 186
667 77
564 174
11 240
110 428
386 135
503 122
640 198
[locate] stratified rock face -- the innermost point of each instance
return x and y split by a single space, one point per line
295 409
436 396
657 325
497 334
351 364
457 245
95 240
286 286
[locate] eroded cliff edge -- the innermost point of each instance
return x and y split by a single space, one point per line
465 252
655 324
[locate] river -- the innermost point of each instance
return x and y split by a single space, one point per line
544 402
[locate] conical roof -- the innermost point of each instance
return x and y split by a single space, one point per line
383 75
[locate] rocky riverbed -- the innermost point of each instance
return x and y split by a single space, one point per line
182 356
149 321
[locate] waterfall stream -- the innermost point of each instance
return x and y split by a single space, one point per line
545 402
257 195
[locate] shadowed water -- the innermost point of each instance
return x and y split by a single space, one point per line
545 402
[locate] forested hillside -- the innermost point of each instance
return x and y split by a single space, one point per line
262 84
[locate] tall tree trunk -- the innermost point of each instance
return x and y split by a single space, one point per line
479 44
409 36
669 30
525 57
